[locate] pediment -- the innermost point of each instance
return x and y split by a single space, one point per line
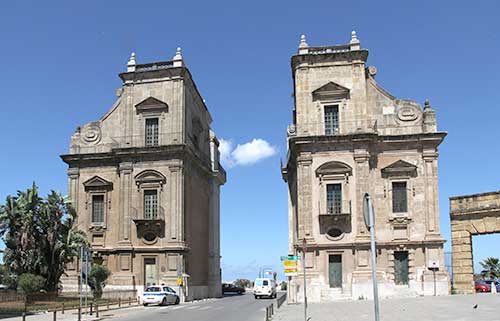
150 176
330 90
333 168
97 183
151 104
400 167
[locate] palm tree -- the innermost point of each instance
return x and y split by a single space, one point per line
40 235
491 268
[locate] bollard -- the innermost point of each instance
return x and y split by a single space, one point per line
91 306
79 313
55 315
24 316
107 304
119 302
129 303
62 309
97 310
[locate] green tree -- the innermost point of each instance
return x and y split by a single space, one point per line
97 279
29 284
40 235
244 283
6 277
491 268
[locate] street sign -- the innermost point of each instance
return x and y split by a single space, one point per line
292 274
289 263
433 264
290 257
366 211
179 281
291 270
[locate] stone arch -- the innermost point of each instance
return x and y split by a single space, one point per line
470 215
334 167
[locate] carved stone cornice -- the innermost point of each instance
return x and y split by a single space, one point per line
125 168
73 172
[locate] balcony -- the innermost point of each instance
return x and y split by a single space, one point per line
149 224
335 213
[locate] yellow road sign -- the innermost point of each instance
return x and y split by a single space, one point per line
290 264
291 270
179 281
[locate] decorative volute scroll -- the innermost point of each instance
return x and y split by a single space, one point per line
90 134
150 176
408 111
330 91
400 168
151 105
97 183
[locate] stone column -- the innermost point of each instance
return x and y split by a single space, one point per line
304 183
176 203
361 157
463 270
73 185
125 218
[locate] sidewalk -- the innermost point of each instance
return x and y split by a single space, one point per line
444 308
71 315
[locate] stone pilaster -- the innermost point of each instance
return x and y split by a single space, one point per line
431 194
361 157
214 277
462 264
73 185
125 170
176 208
304 183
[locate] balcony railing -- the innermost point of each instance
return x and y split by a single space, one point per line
338 208
138 215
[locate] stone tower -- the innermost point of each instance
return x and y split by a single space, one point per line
350 136
145 182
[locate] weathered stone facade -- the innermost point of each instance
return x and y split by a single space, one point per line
145 182
349 136
470 215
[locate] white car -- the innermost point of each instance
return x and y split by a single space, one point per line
159 294
264 287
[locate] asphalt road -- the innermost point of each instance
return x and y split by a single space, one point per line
230 308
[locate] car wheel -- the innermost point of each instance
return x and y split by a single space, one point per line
256 297
164 301
177 300
145 304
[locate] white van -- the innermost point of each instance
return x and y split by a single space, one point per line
264 287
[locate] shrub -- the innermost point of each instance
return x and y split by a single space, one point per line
97 279
30 283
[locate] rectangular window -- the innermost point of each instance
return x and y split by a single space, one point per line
399 197
152 132
334 198
150 204
331 120
97 208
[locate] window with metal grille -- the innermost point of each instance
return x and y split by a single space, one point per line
399 197
150 204
331 120
152 132
334 198
97 208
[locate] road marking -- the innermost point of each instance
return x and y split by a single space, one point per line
178 307
206 308
192 308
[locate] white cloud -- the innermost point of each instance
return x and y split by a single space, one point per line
245 154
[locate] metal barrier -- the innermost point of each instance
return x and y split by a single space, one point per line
280 300
269 311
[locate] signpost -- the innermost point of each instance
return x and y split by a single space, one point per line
369 217
304 244
434 266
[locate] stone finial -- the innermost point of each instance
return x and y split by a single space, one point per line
354 37
427 105
355 45
178 58
131 62
303 46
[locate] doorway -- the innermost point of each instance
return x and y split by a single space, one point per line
335 270
401 267
150 272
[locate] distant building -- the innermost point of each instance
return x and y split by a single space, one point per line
145 182
350 136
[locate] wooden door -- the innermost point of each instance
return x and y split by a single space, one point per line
335 270
150 272
401 267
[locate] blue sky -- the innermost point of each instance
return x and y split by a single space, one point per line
59 64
